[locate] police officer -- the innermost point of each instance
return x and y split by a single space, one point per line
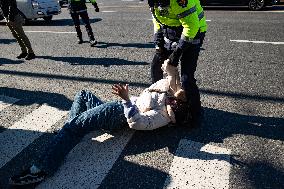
15 24
179 30
78 8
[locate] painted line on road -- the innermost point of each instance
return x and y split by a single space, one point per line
259 42
109 11
265 11
48 32
22 133
196 165
89 162
6 101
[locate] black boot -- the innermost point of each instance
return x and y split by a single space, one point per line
30 56
22 55
93 42
80 40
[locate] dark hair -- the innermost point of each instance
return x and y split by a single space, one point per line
182 112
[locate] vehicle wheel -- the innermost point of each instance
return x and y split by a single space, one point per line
256 5
47 18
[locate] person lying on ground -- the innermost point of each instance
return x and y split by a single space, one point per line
157 106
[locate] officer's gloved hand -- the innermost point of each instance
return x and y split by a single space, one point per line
96 7
160 49
175 56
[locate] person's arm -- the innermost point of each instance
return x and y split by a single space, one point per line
148 120
94 3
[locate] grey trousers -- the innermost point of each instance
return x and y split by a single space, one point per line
17 30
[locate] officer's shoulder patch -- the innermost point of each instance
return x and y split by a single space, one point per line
182 3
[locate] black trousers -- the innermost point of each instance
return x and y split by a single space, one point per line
85 18
188 63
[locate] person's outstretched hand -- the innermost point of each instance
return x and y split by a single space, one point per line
121 91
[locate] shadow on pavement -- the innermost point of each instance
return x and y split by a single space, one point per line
7 41
134 45
30 97
218 125
93 61
73 78
9 61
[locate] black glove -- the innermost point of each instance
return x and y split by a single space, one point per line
96 7
175 56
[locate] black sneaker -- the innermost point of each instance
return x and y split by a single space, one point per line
93 43
30 56
22 55
26 178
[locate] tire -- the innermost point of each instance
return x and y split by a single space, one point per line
47 18
256 5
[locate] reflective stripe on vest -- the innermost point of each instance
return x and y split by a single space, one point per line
187 12
201 15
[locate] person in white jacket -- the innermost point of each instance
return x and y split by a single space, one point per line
155 107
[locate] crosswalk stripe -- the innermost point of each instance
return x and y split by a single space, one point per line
25 131
89 162
6 101
196 165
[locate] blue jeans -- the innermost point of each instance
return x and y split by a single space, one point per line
88 113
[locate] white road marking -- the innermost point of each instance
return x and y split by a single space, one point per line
22 133
103 137
259 42
6 101
271 11
127 0
89 162
109 11
196 165
48 32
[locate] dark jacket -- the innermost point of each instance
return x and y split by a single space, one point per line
77 5
9 8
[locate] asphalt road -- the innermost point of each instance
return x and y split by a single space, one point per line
241 83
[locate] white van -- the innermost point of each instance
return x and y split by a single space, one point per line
34 9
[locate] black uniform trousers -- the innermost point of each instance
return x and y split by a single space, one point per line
85 18
188 63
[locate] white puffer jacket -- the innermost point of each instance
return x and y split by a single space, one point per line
149 111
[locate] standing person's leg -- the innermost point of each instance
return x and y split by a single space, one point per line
12 27
158 60
18 27
202 36
85 17
76 21
188 67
